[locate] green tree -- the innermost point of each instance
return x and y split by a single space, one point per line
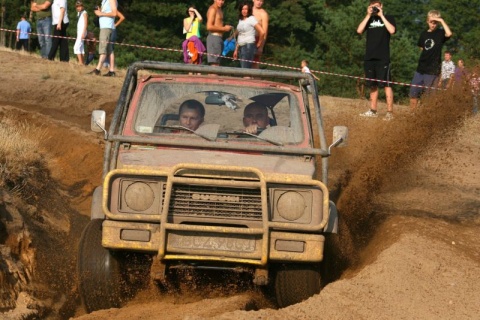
343 49
404 57
321 31
462 17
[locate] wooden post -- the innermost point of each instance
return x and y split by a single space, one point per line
10 41
2 19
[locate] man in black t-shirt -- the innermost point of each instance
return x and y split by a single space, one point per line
429 65
379 28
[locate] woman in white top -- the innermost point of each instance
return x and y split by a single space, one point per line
246 28
191 24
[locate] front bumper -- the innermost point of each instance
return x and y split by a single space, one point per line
207 243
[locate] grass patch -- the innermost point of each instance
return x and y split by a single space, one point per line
23 169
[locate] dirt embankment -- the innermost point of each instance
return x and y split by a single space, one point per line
407 190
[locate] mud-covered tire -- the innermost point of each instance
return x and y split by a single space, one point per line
295 283
99 273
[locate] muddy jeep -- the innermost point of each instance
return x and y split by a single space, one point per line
214 196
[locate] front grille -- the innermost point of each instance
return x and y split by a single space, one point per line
220 202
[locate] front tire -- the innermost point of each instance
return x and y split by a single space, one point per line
295 283
99 273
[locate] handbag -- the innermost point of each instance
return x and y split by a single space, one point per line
229 44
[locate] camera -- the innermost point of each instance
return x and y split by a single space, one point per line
97 8
375 10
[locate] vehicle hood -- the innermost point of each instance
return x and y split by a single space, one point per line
165 159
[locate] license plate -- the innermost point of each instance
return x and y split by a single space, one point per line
240 244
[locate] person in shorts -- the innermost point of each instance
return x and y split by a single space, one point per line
429 64
82 23
379 28
113 37
107 14
215 29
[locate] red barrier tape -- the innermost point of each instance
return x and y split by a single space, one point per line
225 57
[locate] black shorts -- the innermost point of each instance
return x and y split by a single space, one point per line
379 70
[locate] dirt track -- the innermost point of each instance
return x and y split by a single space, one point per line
408 191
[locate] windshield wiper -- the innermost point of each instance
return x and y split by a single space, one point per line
255 136
187 129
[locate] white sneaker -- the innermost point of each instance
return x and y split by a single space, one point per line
369 114
388 116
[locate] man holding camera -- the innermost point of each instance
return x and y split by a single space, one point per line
379 28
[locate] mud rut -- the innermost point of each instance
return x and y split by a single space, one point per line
358 172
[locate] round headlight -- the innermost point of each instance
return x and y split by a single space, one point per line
139 196
291 205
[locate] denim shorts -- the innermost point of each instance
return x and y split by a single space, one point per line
422 80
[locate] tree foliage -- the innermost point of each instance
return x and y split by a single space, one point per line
321 31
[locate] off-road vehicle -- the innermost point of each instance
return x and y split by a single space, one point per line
214 197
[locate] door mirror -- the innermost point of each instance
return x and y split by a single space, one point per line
97 123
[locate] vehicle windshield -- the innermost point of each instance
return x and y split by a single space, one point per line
219 113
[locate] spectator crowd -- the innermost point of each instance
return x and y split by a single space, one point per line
247 42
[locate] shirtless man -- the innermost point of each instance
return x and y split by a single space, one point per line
215 29
262 17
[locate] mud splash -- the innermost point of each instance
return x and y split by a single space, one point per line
377 156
